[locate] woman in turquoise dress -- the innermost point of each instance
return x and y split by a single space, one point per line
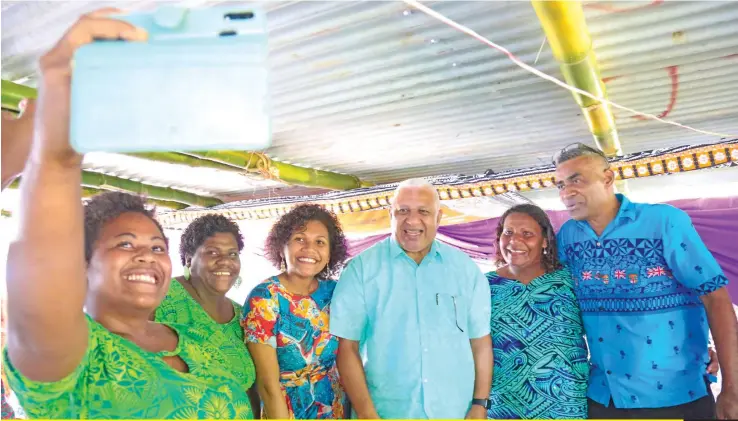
540 354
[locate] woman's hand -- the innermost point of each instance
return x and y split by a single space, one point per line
55 67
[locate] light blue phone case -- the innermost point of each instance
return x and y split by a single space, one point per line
199 83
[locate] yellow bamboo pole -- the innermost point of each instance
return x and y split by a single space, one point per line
566 30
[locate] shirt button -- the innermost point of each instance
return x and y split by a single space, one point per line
598 244
609 372
425 380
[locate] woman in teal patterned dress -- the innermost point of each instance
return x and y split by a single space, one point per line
540 355
110 258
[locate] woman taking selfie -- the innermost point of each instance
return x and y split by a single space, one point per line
285 318
111 258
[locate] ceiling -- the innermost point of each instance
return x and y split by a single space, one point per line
379 91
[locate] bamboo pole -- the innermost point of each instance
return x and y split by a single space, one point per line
235 161
566 30
92 191
182 159
288 173
12 94
109 182
171 198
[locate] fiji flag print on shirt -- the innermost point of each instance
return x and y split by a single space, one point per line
639 286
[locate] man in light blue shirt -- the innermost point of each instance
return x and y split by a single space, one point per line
649 291
418 311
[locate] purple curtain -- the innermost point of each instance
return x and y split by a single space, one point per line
716 220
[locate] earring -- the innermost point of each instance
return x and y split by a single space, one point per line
283 266
187 273
545 251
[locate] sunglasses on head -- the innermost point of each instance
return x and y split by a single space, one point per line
576 147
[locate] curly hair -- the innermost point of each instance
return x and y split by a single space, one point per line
203 228
551 257
105 207
297 218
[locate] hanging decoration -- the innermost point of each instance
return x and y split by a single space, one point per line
637 165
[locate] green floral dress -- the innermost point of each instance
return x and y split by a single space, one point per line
179 307
118 379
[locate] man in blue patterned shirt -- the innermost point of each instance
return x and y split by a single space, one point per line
649 291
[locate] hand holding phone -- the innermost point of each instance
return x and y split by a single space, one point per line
200 82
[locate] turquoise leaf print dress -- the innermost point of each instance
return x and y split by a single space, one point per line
540 356
116 379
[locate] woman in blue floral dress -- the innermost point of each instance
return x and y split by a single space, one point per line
540 354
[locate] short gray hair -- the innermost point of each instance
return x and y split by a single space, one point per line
576 150
418 183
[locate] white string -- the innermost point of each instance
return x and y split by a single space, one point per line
542 75
540 50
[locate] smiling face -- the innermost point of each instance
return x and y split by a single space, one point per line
416 215
217 262
585 185
522 241
308 250
129 269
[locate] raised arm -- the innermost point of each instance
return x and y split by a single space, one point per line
348 321
46 265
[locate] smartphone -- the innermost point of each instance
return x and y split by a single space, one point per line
199 83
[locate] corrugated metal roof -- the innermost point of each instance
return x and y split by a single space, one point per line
378 91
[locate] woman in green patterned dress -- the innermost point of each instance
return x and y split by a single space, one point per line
541 367
210 251
111 258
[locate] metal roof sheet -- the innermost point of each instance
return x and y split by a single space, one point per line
379 91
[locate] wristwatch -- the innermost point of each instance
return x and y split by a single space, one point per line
486 403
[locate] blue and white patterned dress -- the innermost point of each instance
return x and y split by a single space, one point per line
540 355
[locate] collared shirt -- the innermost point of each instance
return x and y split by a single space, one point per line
414 323
639 286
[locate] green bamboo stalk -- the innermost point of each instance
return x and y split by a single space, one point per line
12 94
159 193
288 173
183 159
91 191
170 198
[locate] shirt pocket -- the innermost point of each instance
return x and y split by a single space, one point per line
452 312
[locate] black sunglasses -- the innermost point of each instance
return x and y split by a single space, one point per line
577 147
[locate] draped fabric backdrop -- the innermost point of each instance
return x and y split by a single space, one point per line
716 220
